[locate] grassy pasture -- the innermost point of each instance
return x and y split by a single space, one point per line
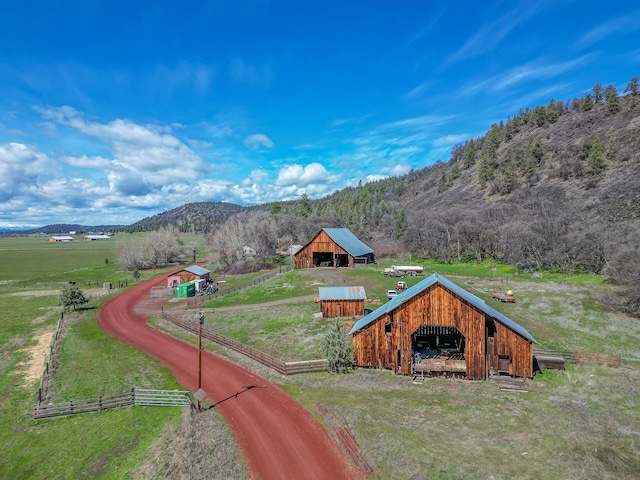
581 423
122 443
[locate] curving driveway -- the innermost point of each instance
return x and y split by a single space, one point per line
279 438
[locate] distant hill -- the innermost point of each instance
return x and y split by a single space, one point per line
196 217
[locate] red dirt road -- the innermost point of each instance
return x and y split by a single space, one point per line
279 438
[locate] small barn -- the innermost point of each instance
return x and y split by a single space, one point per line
94 238
188 274
341 301
60 238
439 327
334 247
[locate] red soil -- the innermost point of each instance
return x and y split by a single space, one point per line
279 438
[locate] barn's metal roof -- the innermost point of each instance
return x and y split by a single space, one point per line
461 292
341 293
195 269
348 241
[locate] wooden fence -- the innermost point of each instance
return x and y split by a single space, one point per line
557 359
284 368
137 396
200 300
603 359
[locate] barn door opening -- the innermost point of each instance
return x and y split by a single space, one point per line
341 260
438 350
429 341
322 259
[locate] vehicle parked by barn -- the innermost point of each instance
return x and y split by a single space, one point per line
403 270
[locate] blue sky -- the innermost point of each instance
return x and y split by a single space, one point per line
114 111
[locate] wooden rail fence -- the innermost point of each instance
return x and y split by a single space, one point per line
284 368
137 396
200 300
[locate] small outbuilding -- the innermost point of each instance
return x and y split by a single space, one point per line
334 247
93 238
60 238
341 301
188 274
438 327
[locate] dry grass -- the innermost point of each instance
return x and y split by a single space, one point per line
202 447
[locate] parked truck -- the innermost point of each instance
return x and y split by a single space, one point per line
403 270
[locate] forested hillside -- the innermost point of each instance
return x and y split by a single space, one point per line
555 187
189 218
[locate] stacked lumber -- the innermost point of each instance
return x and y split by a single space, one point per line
550 362
509 384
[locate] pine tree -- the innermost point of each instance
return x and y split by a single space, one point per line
598 92
552 111
586 103
337 347
632 86
401 224
596 159
612 99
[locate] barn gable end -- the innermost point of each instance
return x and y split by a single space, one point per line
453 330
334 247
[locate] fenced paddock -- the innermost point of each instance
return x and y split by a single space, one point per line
202 299
137 396
284 368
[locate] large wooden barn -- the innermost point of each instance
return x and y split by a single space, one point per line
334 247
341 301
188 274
438 327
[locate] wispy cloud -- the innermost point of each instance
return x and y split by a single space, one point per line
494 32
258 140
617 26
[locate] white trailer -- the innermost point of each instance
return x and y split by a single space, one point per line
402 270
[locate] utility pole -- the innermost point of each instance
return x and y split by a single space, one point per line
200 355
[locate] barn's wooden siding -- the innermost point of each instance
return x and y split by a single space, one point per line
184 276
342 308
321 243
386 343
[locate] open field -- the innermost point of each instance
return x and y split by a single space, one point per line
580 423
125 443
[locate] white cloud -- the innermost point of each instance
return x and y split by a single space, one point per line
299 175
258 140
22 168
401 169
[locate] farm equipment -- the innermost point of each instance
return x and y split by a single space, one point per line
498 294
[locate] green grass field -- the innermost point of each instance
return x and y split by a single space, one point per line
580 423
109 444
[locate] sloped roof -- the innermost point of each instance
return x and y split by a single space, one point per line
348 241
461 292
195 269
341 293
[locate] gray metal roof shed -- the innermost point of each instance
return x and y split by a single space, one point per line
341 293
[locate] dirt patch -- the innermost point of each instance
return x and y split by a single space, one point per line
37 358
